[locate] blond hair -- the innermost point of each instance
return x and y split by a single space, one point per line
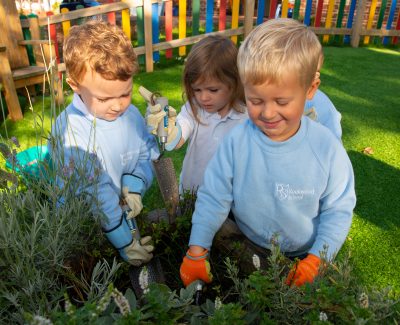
276 48
213 57
101 47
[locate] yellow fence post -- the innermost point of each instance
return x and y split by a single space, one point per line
285 8
370 19
182 25
126 21
328 21
235 18
66 25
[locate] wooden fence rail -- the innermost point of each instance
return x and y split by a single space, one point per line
335 20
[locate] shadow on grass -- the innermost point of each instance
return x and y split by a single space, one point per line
374 240
377 189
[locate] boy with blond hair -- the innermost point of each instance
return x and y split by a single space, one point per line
280 173
101 137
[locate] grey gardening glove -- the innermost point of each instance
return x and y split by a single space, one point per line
139 253
134 201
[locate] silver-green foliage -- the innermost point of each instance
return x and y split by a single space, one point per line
261 298
37 238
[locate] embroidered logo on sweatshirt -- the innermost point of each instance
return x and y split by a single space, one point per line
126 157
287 192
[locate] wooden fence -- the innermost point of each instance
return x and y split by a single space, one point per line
151 24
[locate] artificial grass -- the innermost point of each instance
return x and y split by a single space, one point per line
364 86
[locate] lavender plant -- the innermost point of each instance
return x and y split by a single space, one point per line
41 241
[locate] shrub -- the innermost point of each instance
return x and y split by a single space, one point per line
262 298
42 245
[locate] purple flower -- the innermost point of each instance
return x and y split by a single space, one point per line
15 141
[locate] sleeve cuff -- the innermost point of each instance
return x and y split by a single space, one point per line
134 184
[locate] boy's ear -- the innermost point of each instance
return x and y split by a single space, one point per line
74 85
313 88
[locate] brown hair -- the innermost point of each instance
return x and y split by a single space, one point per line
213 57
102 47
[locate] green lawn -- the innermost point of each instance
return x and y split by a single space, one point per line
364 84
365 87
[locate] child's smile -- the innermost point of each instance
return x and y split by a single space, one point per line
277 108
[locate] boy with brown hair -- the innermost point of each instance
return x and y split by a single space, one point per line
101 137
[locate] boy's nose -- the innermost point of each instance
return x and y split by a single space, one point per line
268 112
117 106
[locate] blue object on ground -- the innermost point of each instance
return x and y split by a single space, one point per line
30 162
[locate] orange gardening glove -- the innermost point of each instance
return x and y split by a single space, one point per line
304 271
195 267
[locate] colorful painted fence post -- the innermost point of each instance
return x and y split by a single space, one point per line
318 13
390 20
168 26
235 18
222 15
148 35
285 8
140 30
395 39
307 14
340 19
111 15
370 19
53 36
155 28
195 17
296 10
350 19
126 21
182 25
328 21
260 12
27 36
66 25
209 15
380 19
272 8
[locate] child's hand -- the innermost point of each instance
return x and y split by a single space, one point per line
304 271
195 267
138 253
134 202
155 115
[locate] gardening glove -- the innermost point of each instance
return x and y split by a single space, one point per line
139 252
304 271
156 114
195 267
134 201
129 247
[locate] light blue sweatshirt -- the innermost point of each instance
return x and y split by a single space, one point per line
301 189
111 150
321 109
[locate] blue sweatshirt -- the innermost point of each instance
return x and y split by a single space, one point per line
301 189
104 151
321 109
